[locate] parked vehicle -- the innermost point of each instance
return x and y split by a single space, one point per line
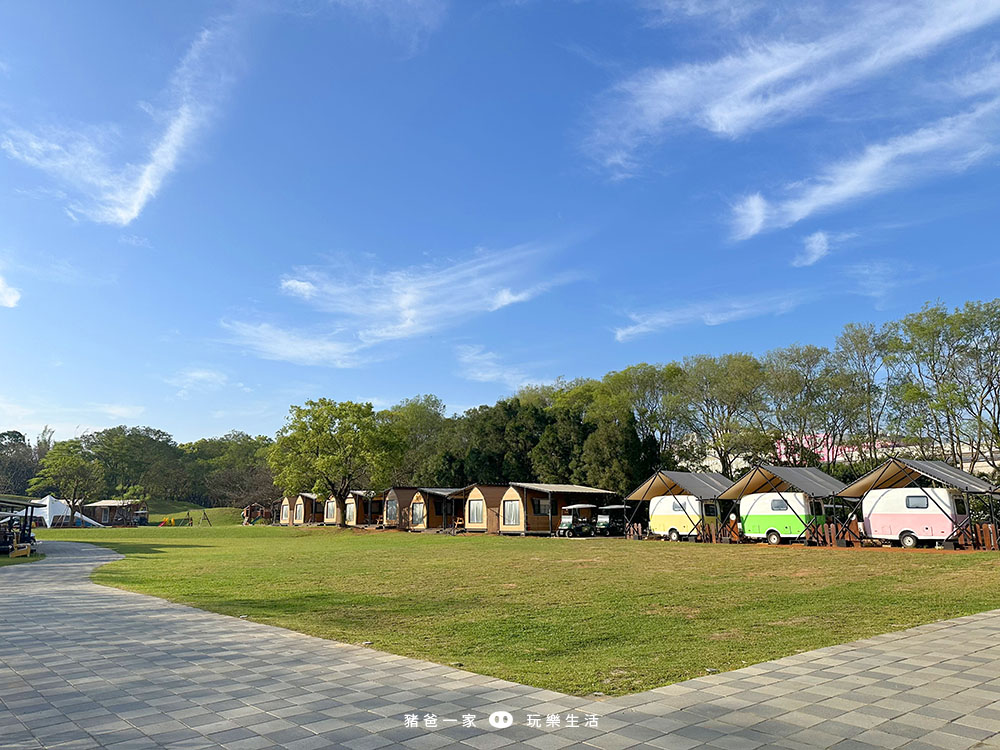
779 516
912 515
576 520
678 516
611 520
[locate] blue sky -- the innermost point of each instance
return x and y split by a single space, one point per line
211 211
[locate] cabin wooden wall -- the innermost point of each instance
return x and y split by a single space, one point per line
492 496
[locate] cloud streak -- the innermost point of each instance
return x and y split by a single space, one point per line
766 82
82 160
712 313
367 307
9 296
487 367
199 380
950 145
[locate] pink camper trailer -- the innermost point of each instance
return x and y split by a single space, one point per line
911 515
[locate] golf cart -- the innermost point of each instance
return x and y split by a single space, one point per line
611 520
572 523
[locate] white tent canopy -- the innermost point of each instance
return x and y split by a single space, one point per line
54 508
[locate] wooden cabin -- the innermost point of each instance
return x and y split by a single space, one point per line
284 513
364 508
117 513
396 511
435 508
482 506
330 515
531 508
308 509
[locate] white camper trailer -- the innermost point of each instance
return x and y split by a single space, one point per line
911 515
679 516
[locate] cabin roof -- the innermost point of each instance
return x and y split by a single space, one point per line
467 488
903 472
704 485
766 478
568 489
438 491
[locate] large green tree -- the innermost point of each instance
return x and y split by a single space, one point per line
331 447
70 471
18 463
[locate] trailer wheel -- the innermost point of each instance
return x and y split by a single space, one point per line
569 533
773 538
674 535
907 540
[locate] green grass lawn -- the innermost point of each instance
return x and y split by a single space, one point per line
578 616
4 560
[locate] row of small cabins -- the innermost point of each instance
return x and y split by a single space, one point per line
902 500
516 508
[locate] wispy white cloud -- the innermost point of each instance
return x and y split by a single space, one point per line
724 11
475 363
9 296
713 313
949 145
765 82
410 17
199 380
815 247
135 240
82 160
298 288
296 346
370 306
115 411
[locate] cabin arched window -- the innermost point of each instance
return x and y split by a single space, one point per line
476 510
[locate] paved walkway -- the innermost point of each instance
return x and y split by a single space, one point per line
83 666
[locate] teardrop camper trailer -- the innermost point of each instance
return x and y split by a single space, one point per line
482 506
683 504
531 508
911 502
782 503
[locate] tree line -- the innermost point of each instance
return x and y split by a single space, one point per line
927 384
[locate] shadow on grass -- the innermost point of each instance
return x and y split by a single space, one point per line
140 548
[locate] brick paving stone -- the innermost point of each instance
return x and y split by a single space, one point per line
169 676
